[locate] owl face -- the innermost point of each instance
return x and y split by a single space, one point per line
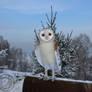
46 35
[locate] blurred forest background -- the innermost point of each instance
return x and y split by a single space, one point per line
75 54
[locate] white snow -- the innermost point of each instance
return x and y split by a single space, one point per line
18 84
12 81
3 52
66 79
21 74
72 80
17 87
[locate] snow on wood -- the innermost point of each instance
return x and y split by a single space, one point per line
72 80
34 84
40 75
19 78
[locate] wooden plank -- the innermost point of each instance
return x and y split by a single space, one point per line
32 84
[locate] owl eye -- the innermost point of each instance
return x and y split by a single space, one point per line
43 35
50 34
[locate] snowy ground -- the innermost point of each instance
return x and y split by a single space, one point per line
17 87
17 78
11 81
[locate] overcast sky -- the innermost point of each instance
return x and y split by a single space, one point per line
18 18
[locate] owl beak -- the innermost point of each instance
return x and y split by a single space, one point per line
46 37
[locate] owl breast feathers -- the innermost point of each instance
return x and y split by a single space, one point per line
48 56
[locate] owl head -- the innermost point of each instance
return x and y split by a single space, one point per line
46 35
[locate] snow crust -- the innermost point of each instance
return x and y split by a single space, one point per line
18 81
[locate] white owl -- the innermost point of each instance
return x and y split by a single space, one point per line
46 51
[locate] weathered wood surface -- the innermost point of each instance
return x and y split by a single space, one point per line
32 84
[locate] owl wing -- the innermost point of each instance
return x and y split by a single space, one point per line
58 60
37 53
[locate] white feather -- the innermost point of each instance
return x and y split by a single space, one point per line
37 53
58 61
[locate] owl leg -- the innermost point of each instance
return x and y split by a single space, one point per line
53 74
46 73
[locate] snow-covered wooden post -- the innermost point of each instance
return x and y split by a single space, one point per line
32 84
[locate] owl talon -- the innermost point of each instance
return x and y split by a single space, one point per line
46 78
41 76
53 79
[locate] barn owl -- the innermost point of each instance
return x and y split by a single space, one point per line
46 51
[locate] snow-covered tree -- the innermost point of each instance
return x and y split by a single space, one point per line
64 45
74 52
83 46
4 51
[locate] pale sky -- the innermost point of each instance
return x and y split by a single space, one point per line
18 18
